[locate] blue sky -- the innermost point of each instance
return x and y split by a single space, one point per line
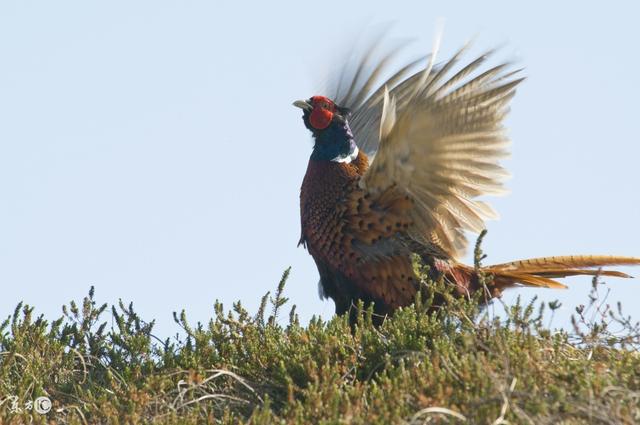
150 148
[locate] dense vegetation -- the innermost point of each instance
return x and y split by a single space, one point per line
454 365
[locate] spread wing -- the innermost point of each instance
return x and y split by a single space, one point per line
438 137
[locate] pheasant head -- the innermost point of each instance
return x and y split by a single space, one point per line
330 129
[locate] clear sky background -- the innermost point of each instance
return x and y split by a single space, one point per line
150 148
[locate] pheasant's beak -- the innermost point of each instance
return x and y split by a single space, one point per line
303 104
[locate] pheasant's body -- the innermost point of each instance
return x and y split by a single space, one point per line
437 144
358 244
352 240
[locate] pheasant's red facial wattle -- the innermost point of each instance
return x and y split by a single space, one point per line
320 118
322 113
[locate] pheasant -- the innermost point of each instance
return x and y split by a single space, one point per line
396 170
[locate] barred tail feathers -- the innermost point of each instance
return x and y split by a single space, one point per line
541 272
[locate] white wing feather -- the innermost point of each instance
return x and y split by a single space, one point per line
437 138
440 142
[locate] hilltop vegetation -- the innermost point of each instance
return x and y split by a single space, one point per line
458 365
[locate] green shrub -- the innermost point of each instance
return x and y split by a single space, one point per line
453 365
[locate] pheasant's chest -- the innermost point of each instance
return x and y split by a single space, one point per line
324 189
323 195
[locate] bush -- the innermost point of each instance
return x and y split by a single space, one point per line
453 365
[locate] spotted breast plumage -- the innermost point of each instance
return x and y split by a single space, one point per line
435 137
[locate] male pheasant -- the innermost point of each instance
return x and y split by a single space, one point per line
436 140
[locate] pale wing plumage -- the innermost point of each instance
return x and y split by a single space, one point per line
436 138
440 143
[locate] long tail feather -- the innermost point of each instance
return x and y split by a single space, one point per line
540 271
535 265
506 279
579 272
